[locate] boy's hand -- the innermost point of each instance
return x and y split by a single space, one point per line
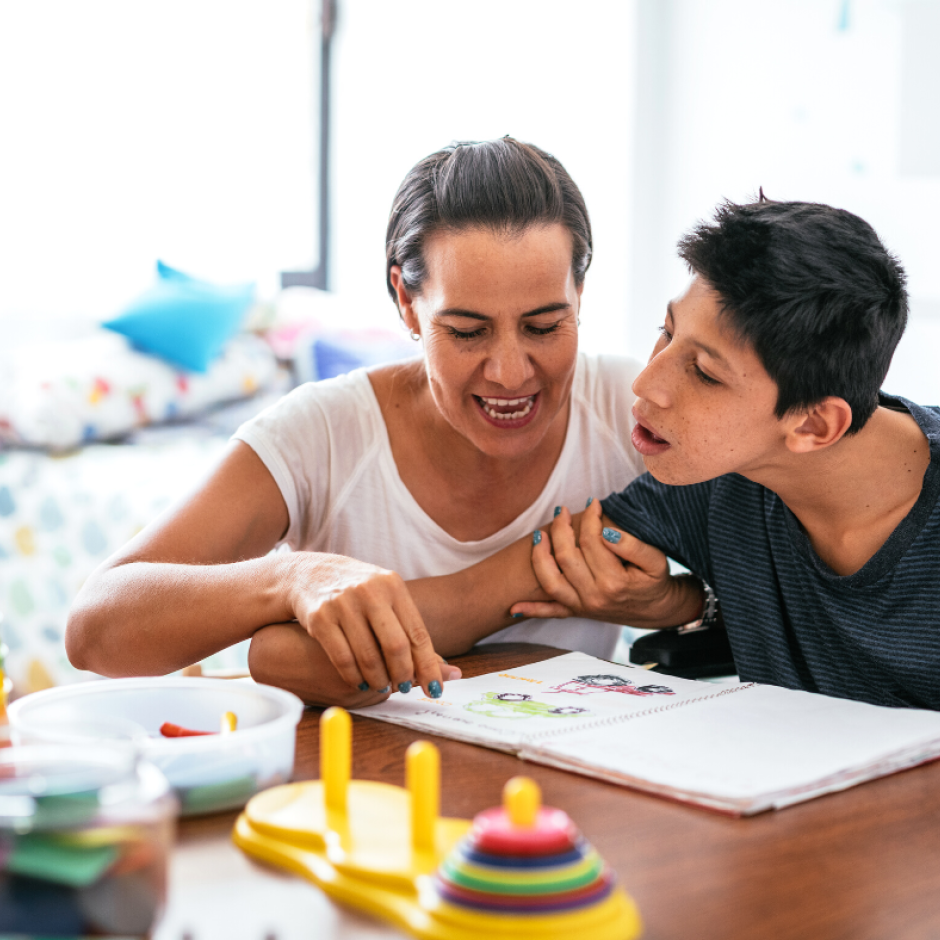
367 624
606 574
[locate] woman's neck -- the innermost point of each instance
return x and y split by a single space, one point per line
468 493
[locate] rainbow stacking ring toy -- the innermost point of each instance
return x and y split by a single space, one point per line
541 867
520 870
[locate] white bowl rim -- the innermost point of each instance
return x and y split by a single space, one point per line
292 705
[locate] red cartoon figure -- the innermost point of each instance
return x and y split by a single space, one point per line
586 685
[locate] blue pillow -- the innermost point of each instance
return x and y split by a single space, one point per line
182 319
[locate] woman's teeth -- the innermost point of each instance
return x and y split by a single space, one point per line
520 407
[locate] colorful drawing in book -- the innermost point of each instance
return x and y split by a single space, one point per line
519 705
586 685
518 872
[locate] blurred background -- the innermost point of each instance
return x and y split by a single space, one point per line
191 130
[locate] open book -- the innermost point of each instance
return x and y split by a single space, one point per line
740 749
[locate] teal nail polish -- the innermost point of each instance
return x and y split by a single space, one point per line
588 503
558 510
517 616
536 536
611 535
404 687
434 688
363 686
386 690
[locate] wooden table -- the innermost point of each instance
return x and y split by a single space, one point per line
860 864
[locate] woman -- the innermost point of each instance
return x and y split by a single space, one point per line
402 472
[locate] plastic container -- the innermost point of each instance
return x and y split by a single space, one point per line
84 838
209 773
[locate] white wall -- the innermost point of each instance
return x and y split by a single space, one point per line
174 129
414 75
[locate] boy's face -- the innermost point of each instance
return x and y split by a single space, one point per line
705 404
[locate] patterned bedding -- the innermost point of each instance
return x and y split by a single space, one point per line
60 516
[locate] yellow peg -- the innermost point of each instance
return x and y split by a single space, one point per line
423 778
3 696
522 800
229 722
335 756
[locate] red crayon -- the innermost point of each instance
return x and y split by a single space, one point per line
169 730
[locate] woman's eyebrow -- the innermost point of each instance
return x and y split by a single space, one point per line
473 315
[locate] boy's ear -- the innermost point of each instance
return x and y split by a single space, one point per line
403 298
819 426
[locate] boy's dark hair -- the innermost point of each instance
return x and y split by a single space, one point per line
813 290
503 185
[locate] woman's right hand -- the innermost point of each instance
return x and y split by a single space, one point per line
283 654
367 623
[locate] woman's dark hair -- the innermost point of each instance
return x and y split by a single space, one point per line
502 185
813 290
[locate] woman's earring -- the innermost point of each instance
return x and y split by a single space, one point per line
415 336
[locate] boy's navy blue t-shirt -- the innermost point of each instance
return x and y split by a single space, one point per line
873 635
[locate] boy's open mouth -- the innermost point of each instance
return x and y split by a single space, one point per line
646 441
507 412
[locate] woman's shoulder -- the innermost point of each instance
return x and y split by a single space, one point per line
313 441
314 413
349 388
395 380
350 393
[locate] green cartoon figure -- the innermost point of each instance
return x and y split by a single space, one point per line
517 705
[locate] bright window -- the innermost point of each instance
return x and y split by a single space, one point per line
131 131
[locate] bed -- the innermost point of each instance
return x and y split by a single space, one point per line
96 439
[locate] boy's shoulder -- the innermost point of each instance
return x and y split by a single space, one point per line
926 416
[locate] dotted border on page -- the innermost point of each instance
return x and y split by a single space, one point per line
630 716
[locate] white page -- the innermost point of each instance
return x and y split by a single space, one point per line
764 747
740 748
506 709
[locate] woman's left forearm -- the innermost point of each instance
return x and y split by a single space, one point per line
463 608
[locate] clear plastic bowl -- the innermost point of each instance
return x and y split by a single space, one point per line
85 833
209 773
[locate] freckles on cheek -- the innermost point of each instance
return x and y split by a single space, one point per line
703 432
718 436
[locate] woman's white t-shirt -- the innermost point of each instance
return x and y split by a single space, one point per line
327 447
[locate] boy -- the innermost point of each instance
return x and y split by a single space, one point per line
777 472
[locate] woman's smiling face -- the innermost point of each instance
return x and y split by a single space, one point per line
498 314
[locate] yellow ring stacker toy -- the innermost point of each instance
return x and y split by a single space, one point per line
521 870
